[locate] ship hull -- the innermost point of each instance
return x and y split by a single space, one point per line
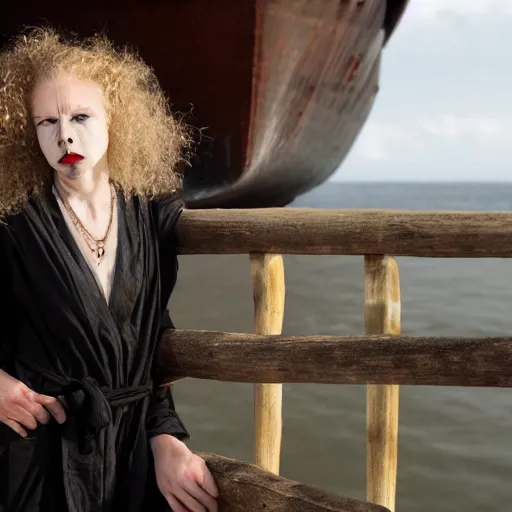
278 90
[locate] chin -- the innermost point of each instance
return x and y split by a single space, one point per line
69 171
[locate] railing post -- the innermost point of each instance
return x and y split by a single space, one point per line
382 316
269 296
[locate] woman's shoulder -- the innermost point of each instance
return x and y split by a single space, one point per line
166 204
166 212
162 213
5 244
35 210
7 224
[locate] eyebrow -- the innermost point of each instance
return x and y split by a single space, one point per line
75 111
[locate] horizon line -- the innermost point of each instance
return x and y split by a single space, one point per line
448 182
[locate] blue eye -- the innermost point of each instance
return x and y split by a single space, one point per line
80 118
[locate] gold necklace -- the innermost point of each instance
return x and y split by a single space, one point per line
99 244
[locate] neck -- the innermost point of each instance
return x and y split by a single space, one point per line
84 188
88 194
87 187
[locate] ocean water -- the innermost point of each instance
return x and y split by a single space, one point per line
455 444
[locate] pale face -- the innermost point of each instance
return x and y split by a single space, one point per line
71 124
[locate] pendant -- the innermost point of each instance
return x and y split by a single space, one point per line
100 251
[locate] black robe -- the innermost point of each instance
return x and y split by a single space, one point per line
61 338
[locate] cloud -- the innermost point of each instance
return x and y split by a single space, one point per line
432 10
485 131
383 142
380 142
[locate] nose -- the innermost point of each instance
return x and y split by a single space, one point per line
64 134
62 141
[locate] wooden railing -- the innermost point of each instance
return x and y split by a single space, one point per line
382 359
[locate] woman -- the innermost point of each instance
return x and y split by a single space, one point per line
88 164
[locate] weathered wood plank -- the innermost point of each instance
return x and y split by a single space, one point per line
239 357
244 487
331 231
382 310
268 281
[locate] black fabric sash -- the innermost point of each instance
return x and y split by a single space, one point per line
89 404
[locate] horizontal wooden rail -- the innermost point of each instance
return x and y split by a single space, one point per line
237 357
245 487
330 231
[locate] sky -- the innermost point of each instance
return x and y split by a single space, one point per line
444 109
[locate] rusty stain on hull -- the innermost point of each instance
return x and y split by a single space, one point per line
316 75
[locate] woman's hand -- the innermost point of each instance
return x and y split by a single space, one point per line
183 477
21 408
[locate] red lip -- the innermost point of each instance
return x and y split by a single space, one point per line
70 158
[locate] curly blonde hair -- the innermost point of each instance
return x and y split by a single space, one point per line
146 142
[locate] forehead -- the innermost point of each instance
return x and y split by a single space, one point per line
65 93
